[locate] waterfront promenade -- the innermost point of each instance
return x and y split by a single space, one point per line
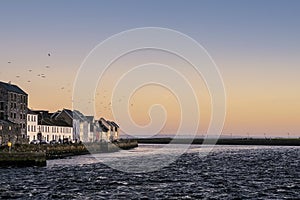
36 155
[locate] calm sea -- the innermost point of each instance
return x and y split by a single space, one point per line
227 172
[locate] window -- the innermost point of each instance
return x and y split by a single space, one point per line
47 138
28 118
28 129
11 115
1 115
34 137
1 105
15 116
34 128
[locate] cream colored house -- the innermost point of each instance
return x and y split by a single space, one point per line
51 129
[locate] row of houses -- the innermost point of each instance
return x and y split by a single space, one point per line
71 125
20 124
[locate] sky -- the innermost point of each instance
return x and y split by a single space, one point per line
255 44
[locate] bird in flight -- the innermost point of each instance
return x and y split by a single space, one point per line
47 66
8 62
30 70
49 54
18 76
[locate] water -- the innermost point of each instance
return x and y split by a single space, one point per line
228 172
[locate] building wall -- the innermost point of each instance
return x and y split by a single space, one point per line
17 110
3 103
8 132
32 126
84 133
48 132
13 107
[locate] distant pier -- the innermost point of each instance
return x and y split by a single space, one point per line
224 141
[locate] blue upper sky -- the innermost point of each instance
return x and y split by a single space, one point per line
262 25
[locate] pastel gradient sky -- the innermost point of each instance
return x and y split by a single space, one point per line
256 45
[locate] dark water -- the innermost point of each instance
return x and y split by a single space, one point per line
226 173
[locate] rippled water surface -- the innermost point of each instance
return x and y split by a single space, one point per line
228 172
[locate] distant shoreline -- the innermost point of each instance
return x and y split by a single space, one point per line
233 141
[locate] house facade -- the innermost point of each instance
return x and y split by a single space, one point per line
13 108
8 132
80 123
51 129
109 130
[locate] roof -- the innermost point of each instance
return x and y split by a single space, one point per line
6 122
114 124
53 122
69 112
105 124
54 115
90 118
32 112
78 115
103 127
12 88
46 118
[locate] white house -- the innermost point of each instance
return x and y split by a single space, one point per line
51 129
32 125
109 130
81 125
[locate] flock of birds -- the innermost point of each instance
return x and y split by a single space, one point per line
43 76
30 70
40 75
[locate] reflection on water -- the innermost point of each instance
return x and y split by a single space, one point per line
227 172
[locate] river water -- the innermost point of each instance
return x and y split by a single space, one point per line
227 172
